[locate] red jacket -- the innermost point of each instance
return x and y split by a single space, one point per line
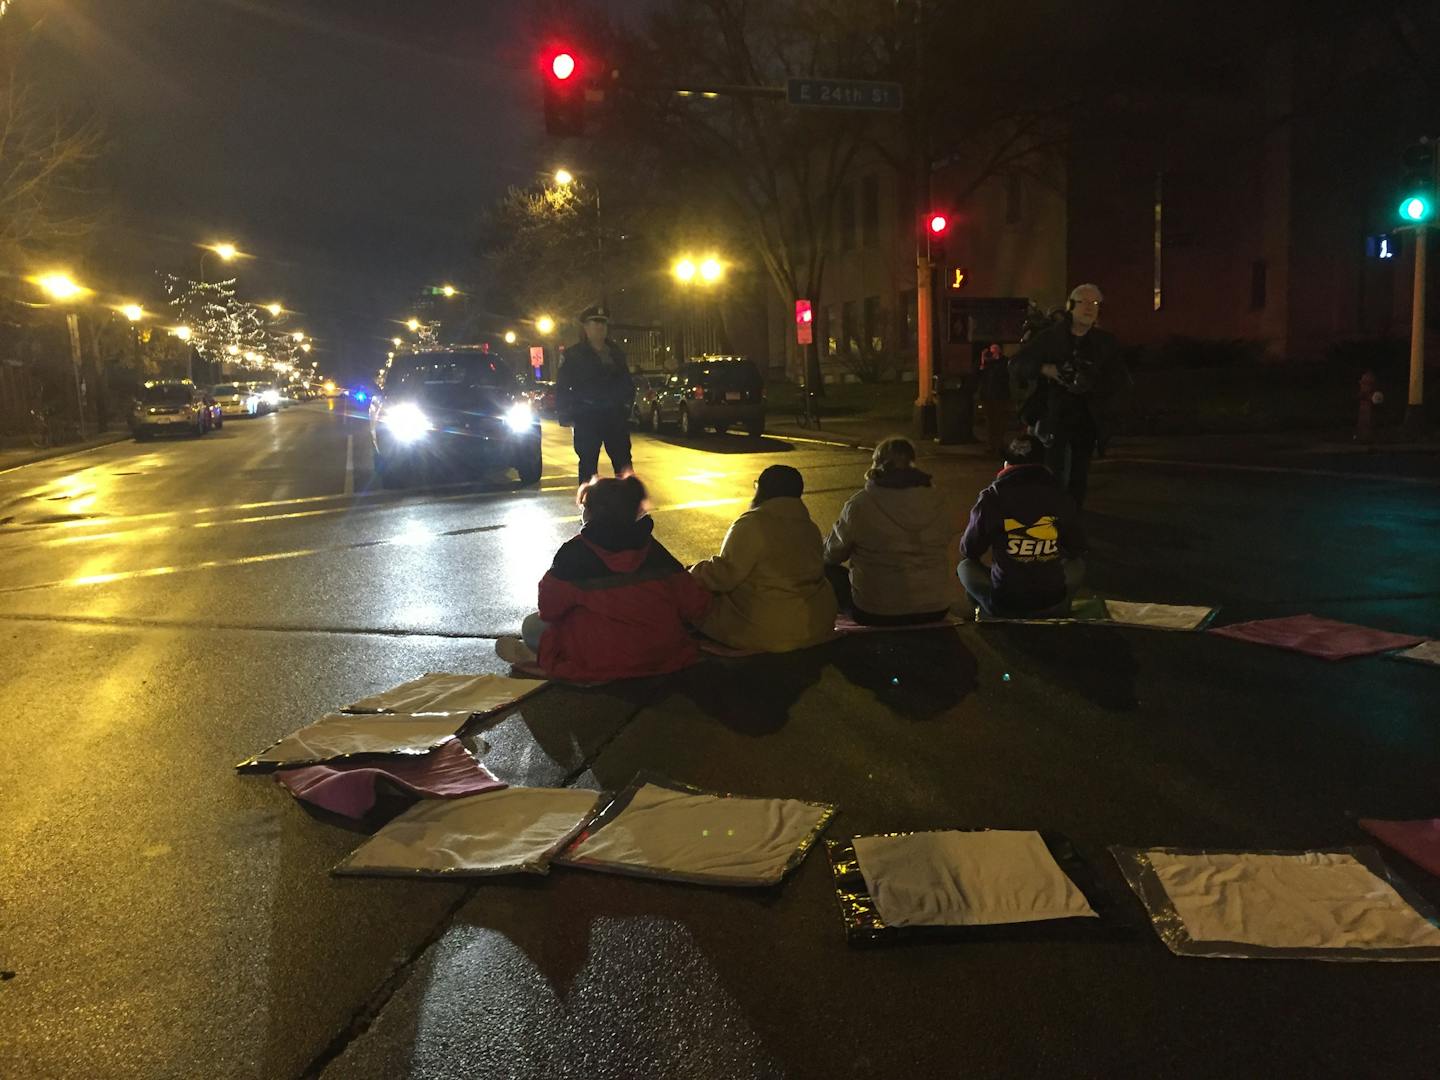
617 603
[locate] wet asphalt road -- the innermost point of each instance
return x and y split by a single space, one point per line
167 609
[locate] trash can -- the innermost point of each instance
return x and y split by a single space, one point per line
954 409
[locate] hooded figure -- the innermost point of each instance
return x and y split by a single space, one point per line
895 534
769 578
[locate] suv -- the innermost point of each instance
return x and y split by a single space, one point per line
711 391
172 405
453 404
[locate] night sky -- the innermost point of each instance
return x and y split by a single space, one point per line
349 144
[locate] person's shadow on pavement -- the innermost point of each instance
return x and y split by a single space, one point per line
753 695
1095 661
918 674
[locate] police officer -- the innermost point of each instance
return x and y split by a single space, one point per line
593 393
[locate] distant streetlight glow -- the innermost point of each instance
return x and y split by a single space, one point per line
226 251
711 270
684 270
395 341
545 324
305 347
447 290
274 309
509 337
59 286
413 323
133 312
233 349
182 332
298 336
564 176
252 357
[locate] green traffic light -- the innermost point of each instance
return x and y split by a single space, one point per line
1416 208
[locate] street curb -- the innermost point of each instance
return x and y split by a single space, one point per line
53 452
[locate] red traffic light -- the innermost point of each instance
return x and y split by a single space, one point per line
937 224
562 65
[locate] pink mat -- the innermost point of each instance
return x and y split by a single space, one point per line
1314 636
1418 841
349 788
714 648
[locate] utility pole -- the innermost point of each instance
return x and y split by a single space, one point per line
1415 402
924 296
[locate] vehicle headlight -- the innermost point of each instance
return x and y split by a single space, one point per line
406 421
520 417
272 397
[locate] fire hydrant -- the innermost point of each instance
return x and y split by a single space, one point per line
1370 396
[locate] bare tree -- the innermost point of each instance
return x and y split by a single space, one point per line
47 201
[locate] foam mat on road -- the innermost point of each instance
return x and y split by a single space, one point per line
343 735
1314 636
350 788
1341 904
660 829
511 831
445 692
1418 841
967 885
1427 652
1101 611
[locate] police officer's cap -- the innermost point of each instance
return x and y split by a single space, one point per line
596 311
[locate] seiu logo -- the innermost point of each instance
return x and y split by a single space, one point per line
1037 541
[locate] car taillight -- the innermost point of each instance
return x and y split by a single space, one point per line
698 393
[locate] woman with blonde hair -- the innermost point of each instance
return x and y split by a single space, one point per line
895 534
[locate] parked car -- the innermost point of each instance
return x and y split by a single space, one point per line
268 395
236 399
169 406
711 391
453 405
646 388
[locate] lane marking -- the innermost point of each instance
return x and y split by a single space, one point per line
349 489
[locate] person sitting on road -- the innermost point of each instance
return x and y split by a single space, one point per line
894 534
614 603
769 578
1032 529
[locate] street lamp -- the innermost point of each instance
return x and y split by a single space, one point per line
182 332
298 336
564 177
305 347
133 312
274 309
711 271
228 252
545 324
509 337
447 291
396 342
60 287
414 324
684 271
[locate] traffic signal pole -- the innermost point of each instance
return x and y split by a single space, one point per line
1415 403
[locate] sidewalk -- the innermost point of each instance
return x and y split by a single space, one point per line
1294 447
17 452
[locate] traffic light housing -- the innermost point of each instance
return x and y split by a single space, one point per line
1418 183
936 225
564 78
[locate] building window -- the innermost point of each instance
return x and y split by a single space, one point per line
1257 284
847 218
1014 189
1158 285
849 330
870 211
832 330
874 327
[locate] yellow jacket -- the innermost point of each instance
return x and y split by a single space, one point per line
769 581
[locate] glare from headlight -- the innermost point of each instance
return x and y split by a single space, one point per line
520 417
406 422
272 397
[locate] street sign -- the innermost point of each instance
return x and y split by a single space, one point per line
537 356
844 94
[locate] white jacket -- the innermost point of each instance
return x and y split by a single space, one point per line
897 542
